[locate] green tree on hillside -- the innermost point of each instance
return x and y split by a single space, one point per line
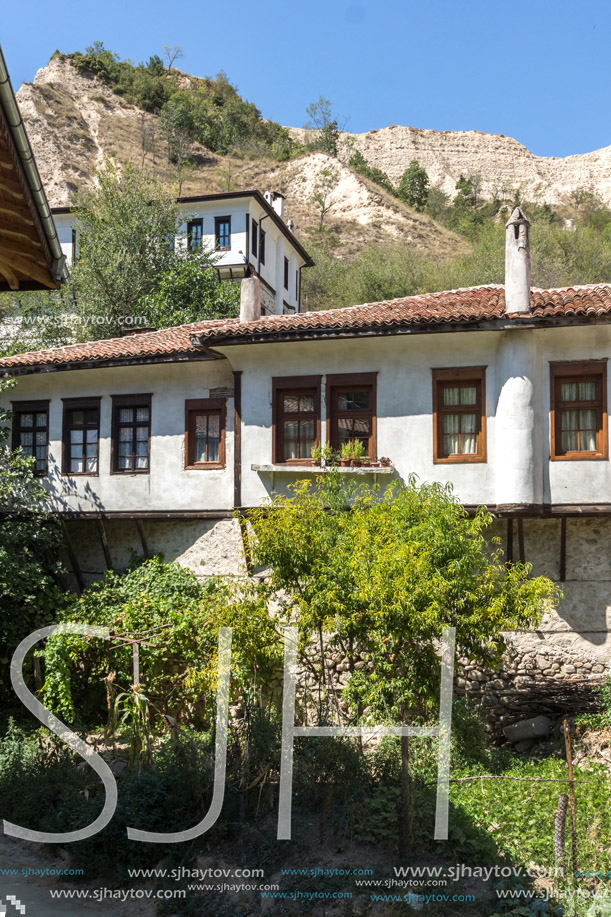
414 186
128 264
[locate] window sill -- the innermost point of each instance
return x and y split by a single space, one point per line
320 469
207 466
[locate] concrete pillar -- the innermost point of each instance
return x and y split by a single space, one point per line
518 425
250 299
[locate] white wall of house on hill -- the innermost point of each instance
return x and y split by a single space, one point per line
244 247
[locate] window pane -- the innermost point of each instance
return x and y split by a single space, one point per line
307 438
92 436
468 424
27 420
142 434
587 391
587 441
41 439
76 436
345 429
125 463
125 448
126 415
351 401
291 403
200 447
76 450
27 440
450 444
213 448
568 420
77 417
142 462
142 448
201 423
214 425
76 464
290 439
451 395
360 425
125 434
41 453
570 442
142 415
468 395
91 416
568 391
468 444
91 449
41 420
587 420
306 402
451 423
92 464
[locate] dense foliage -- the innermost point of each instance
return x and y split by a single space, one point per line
30 592
211 109
178 617
384 578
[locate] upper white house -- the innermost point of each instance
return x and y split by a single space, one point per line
247 231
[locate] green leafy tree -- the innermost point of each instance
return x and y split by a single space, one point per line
321 120
128 262
358 162
190 292
383 578
324 197
414 186
30 588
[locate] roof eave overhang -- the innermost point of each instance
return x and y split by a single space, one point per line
31 181
30 369
368 331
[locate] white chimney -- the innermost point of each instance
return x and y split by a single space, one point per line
517 263
278 203
250 299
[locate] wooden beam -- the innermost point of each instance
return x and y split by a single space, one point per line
521 540
72 558
237 439
11 186
103 539
563 549
15 231
16 210
145 548
9 245
509 551
23 266
9 276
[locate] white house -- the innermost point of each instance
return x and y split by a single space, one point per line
151 442
247 231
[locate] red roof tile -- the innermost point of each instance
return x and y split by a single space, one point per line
475 304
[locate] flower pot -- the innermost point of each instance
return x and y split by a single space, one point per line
344 462
316 462
356 463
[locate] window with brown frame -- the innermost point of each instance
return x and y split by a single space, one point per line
296 412
222 233
131 434
195 235
205 433
578 400
254 230
459 414
31 432
81 435
351 410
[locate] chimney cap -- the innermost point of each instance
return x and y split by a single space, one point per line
517 217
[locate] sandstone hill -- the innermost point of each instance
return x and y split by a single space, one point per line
74 122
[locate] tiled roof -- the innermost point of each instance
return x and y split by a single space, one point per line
472 305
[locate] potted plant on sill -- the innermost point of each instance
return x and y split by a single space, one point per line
345 455
385 462
358 451
329 457
316 454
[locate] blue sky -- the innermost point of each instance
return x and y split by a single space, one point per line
536 70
